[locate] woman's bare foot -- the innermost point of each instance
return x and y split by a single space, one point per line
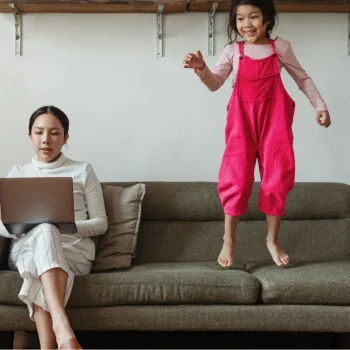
71 344
63 332
225 258
278 254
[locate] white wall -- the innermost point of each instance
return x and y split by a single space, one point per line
136 117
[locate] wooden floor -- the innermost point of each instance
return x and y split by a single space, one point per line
194 340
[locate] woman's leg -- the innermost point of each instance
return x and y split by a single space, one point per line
44 326
48 270
40 260
54 284
277 253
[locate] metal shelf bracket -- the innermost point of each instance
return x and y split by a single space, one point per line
211 21
18 29
160 30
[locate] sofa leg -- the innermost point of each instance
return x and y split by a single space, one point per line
340 341
6 340
26 340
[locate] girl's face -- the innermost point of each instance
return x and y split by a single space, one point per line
249 21
47 137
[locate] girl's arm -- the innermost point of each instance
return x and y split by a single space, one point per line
304 82
215 79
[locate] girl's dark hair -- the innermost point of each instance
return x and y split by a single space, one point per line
61 116
267 8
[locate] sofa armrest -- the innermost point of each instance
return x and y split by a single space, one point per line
4 251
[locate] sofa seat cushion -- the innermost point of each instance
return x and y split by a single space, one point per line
312 283
163 283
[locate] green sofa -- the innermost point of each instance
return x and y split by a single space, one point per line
175 282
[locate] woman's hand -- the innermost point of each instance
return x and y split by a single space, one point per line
194 61
323 118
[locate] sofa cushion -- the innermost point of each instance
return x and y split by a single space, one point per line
166 283
117 246
313 283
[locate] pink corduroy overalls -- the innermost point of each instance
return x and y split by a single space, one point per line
259 126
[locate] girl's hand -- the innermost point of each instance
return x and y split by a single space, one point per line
323 118
194 61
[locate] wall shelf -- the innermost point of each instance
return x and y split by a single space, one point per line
170 6
159 7
308 6
92 6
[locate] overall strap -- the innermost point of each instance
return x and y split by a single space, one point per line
273 46
241 48
276 55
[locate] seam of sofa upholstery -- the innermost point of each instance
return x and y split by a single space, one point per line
175 284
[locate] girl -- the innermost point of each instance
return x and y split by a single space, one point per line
259 119
46 259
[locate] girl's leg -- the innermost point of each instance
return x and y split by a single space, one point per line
54 284
43 323
277 253
226 257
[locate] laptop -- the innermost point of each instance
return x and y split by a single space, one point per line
27 202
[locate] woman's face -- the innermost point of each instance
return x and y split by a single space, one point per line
47 137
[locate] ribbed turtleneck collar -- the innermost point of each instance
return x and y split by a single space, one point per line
53 165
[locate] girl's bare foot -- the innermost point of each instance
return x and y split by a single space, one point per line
225 258
278 254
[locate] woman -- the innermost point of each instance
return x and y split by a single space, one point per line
46 259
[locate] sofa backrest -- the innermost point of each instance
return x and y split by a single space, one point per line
184 222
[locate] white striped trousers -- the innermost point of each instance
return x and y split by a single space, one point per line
38 251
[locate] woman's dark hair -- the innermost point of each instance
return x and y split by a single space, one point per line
61 116
267 8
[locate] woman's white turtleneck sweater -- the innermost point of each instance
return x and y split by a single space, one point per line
89 208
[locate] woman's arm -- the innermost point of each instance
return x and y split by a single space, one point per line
3 231
97 222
